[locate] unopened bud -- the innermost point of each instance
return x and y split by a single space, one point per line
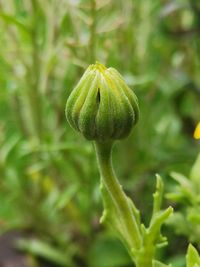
102 107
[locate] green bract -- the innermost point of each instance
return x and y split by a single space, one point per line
102 107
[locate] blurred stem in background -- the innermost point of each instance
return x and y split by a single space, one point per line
93 34
35 96
196 11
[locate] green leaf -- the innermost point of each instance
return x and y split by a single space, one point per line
153 232
187 189
43 250
66 196
193 259
8 146
152 235
181 179
112 218
160 264
157 196
12 20
195 174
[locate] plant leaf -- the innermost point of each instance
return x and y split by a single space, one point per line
44 250
195 174
111 217
12 20
160 264
192 258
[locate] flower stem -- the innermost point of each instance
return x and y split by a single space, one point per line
145 258
104 157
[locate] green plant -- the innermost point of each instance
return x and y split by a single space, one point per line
33 40
104 109
186 221
44 166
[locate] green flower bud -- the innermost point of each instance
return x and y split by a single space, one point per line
102 107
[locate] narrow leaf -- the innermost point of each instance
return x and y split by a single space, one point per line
12 20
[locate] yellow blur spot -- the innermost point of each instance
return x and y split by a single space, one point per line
34 176
197 132
47 184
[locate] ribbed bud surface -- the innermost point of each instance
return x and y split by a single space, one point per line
102 107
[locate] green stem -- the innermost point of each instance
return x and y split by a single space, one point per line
34 92
145 258
92 41
104 157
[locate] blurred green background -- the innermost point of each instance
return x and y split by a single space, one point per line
50 204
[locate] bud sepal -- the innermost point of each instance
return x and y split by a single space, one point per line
102 107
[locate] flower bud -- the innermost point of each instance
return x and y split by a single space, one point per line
102 107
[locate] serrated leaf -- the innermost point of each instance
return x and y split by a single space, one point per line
153 232
157 196
112 217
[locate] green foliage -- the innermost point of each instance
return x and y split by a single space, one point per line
48 175
150 236
193 258
123 217
186 221
41 249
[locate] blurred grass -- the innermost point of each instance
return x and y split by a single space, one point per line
49 179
